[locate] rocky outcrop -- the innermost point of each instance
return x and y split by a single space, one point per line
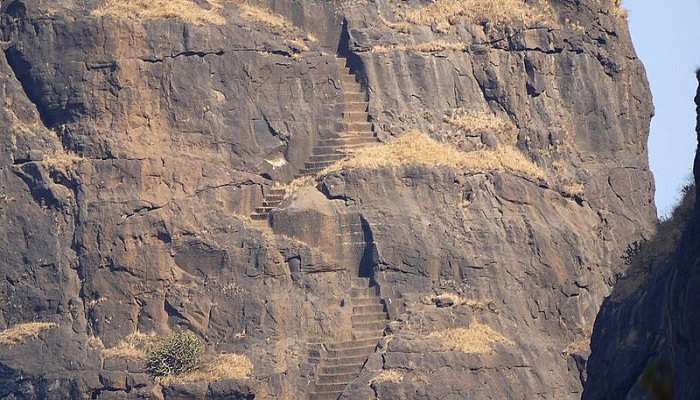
134 148
645 342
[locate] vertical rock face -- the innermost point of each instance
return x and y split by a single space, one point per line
135 143
645 342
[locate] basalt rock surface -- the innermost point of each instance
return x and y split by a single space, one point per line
645 342
131 149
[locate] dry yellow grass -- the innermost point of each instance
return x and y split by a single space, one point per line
443 13
61 161
579 346
457 300
223 366
132 347
267 18
20 333
427 47
474 123
618 9
477 338
390 375
418 149
185 10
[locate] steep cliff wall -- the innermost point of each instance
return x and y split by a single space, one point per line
645 342
136 142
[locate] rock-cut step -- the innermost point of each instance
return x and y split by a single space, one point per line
343 378
325 396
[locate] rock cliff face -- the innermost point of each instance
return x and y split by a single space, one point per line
645 342
135 143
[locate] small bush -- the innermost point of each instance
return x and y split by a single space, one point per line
177 354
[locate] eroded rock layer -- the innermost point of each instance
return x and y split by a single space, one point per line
136 142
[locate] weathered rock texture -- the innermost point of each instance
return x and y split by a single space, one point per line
131 147
645 342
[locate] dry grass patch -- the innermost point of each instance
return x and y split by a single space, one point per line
444 13
618 9
133 347
579 346
418 149
390 376
20 333
223 366
427 47
474 123
185 10
61 161
478 338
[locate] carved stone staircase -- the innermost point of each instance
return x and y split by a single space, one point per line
339 363
352 132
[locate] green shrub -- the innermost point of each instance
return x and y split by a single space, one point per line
176 354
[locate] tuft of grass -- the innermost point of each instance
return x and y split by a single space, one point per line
477 338
223 366
61 161
132 347
434 46
389 375
444 13
417 149
267 18
184 10
618 10
474 123
20 333
579 346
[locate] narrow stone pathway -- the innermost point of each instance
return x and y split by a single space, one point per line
340 363
353 131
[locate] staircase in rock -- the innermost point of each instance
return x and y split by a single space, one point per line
339 363
352 131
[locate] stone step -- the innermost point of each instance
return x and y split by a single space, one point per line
345 147
326 157
353 97
263 210
353 126
330 387
346 141
333 361
370 309
275 192
272 204
324 396
367 332
355 116
318 165
339 369
370 325
367 301
258 217
365 292
337 378
354 343
357 106
351 352
366 134
279 197
367 318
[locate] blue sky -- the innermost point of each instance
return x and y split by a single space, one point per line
666 35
